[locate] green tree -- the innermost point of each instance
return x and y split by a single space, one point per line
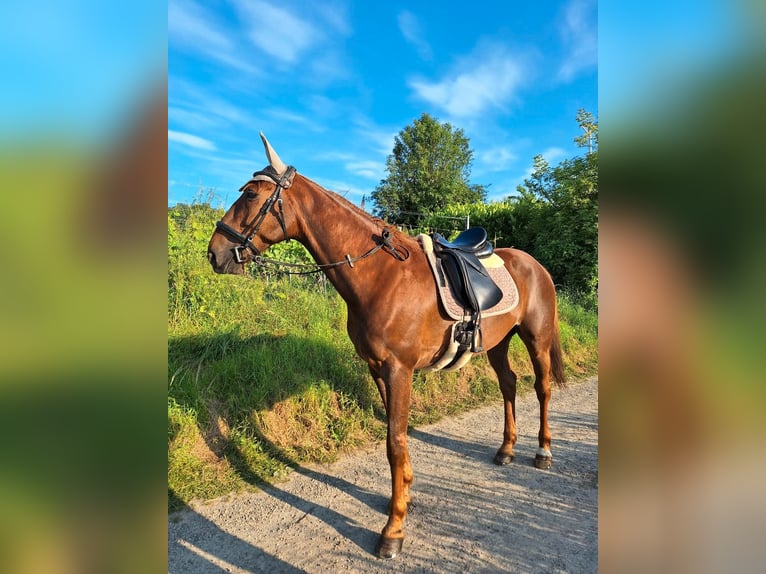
556 215
589 126
428 171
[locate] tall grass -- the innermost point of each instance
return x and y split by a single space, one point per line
262 376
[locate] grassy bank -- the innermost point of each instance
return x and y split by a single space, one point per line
262 376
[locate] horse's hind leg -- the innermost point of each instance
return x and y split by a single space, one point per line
539 352
498 358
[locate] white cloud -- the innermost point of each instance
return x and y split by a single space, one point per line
322 106
280 116
328 67
335 16
553 154
276 31
197 109
348 190
286 35
303 36
189 24
187 118
488 79
192 28
370 169
497 158
384 140
381 139
578 31
190 140
410 29
366 168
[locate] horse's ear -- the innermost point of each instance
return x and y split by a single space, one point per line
272 156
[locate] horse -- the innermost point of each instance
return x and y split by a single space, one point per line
395 321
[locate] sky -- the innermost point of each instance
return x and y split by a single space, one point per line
332 83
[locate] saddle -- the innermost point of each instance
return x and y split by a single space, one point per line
471 284
473 241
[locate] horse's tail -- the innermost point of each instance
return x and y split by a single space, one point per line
557 355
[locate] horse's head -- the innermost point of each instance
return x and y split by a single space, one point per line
255 220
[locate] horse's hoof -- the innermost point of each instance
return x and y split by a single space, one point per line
502 458
543 462
389 547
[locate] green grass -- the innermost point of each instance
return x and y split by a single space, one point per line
262 377
578 327
262 383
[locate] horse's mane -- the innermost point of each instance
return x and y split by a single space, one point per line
345 203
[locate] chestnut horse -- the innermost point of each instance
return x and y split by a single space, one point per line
394 318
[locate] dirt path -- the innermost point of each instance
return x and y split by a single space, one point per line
467 514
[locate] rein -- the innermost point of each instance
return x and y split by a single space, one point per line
246 241
399 252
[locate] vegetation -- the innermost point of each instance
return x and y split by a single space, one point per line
554 217
263 378
428 170
557 215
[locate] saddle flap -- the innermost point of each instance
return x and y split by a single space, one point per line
472 286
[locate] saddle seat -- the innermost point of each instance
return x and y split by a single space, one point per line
473 241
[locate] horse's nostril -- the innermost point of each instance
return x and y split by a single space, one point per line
211 257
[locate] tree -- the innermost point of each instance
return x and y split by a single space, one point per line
557 213
589 127
427 172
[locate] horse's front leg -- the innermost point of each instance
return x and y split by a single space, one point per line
397 383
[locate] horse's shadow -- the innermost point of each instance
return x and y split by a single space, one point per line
223 349
196 539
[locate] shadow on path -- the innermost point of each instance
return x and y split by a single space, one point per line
203 547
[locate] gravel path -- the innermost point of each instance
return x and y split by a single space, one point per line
467 514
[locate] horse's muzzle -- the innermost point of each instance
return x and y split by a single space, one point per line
227 265
214 262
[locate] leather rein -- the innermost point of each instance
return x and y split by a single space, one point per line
246 241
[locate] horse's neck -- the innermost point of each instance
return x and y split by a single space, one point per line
331 229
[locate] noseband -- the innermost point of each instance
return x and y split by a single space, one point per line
246 241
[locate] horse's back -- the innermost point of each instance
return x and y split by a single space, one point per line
533 281
522 264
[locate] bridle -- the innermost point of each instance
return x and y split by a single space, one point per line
246 241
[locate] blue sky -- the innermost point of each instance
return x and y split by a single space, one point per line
332 83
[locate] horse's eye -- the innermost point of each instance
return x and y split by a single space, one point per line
250 195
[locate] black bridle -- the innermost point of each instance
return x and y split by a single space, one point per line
246 241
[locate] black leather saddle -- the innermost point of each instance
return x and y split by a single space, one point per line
473 241
470 282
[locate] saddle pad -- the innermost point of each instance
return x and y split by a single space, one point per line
495 267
